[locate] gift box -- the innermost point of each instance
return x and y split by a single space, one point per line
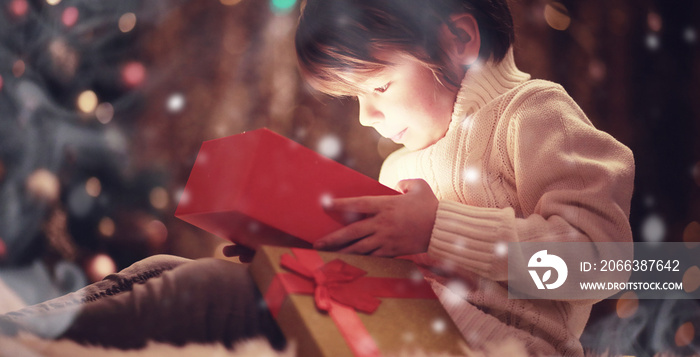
261 188
334 304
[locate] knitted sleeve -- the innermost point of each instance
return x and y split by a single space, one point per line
573 183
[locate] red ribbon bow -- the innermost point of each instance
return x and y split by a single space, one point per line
340 289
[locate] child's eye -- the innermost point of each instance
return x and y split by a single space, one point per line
382 89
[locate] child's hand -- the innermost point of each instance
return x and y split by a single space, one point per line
397 225
244 254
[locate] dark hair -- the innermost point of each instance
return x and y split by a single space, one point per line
337 41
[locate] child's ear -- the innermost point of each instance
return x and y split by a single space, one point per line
461 39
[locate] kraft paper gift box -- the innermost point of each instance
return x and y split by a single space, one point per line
412 319
260 188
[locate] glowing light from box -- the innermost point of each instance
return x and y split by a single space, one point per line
691 279
93 187
106 227
99 266
43 184
438 326
330 146
104 112
627 305
70 16
653 42
175 103
18 68
127 22
87 101
653 229
230 2
133 74
685 334
282 5
689 35
557 16
19 7
159 198
53 2
654 21
157 233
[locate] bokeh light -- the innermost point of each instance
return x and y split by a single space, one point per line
18 68
127 22
330 146
87 101
696 173
3 248
0 82
64 57
93 186
100 265
691 234
691 279
654 21
159 198
653 42
43 184
80 203
133 74
230 2
653 229
557 16
157 233
282 5
685 334
70 16
104 112
2 171
19 7
627 305
53 2
689 35
175 103
106 227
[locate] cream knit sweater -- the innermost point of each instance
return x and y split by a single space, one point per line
519 162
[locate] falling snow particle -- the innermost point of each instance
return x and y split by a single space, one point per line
176 103
330 146
653 229
689 35
500 249
438 326
471 175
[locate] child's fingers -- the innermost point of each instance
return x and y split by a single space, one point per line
244 253
365 204
364 246
345 236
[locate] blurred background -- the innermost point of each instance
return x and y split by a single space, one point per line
104 104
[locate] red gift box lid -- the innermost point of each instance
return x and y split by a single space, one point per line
259 187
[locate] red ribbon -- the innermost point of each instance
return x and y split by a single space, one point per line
341 289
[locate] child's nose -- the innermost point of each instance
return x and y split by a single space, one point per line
369 114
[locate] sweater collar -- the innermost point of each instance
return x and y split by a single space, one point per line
484 82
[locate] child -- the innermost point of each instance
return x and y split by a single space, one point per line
490 157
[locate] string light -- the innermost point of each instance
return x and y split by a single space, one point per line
104 112
133 74
127 22
557 16
18 68
87 101
70 16
282 5
93 187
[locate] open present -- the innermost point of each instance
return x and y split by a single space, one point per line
260 188
334 304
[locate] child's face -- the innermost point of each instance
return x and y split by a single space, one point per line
405 103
